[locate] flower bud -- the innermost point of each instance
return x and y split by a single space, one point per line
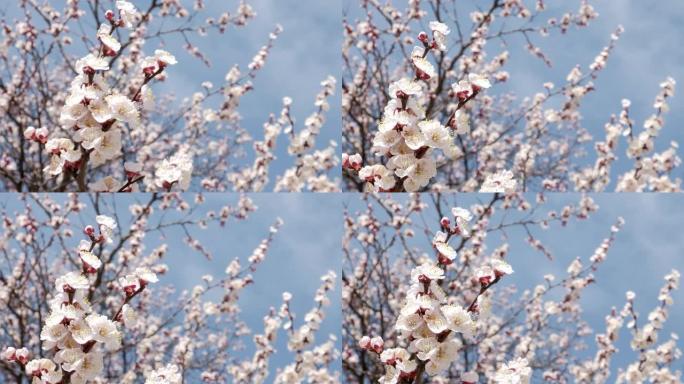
22 356
422 75
365 342
132 170
149 70
423 37
41 135
29 133
424 279
485 280
441 259
445 222
377 344
108 51
10 353
89 231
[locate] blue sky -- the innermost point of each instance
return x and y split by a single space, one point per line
306 248
646 249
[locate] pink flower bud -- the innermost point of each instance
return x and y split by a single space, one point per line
423 37
29 133
441 259
109 15
87 268
365 342
352 162
345 160
149 71
445 222
10 353
132 170
73 165
377 344
41 135
108 51
22 356
89 231
129 290
422 75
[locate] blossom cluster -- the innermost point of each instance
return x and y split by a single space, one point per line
406 137
73 331
97 116
432 327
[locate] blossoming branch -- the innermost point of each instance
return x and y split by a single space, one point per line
419 113
449 312
98 124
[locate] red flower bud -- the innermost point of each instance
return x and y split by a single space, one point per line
444 260
129 290
445 222
423 37
89 230
422 75
149 71
88 70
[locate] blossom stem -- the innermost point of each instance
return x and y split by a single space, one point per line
148 78
130 182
